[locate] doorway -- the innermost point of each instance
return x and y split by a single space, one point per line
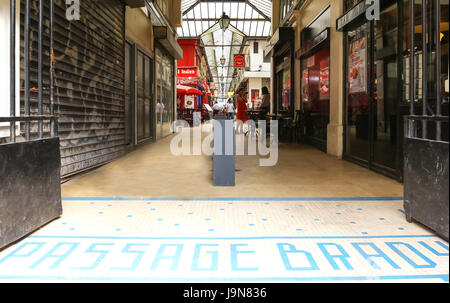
144 96
139 125
283 82
373 94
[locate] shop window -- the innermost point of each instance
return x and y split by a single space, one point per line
255 47
285 104
315 94
358 97
164 92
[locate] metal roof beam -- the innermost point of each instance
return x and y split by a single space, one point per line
232 19
191 7
225 45
258 10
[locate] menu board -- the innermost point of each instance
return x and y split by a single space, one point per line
358 66
189 102
324 78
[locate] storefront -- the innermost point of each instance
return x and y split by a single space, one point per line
167 50
315 79
281 49
139 94
377 80
165 98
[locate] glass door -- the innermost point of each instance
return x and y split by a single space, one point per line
129 94
144 96
373 93
358 94
386 90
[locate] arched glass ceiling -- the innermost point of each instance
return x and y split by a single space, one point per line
249 19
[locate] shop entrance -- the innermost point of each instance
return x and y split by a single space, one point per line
139 104
283 77
314 58
373 135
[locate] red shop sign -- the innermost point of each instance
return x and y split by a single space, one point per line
239 61
187 72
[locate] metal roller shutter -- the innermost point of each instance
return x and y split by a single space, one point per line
89 81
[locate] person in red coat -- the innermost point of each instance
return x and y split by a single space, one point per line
241 109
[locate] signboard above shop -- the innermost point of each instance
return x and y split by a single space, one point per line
356 12
185 72
239 61
313 44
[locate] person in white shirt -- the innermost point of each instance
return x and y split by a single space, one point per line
229 107
217 108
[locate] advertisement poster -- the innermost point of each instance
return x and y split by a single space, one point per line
255 95
305 85
357 67
324 83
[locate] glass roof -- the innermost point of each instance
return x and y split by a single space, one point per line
248 19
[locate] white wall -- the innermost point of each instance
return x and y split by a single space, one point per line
254 83
5 60
257 60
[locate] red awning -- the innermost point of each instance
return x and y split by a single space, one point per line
182 90
194 91
186 90
193 81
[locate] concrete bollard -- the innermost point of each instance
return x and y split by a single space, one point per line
224 151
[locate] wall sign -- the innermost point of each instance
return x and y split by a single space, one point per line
351 15
187 72
160 32
239 61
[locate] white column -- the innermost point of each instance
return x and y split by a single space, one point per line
335 129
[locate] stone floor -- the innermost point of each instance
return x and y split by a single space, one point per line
301 171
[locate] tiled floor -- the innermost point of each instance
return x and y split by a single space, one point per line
220 240
119 226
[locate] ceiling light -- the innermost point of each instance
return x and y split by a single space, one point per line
224 21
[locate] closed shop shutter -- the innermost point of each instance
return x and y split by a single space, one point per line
89 81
